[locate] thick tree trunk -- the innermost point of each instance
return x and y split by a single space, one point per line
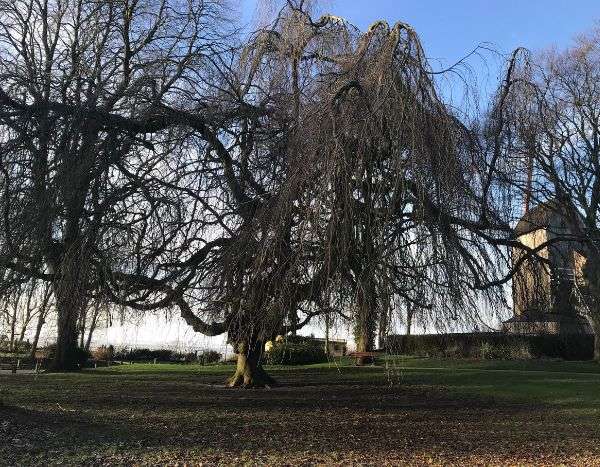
366 323
70 296
249 372
66 356
364 343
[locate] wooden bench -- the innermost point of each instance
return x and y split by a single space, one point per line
9 366
363 357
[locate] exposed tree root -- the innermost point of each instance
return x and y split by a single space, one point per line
260 379
249 372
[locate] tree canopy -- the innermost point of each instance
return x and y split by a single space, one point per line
151 161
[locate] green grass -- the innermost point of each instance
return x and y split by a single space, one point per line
402 410
568 385
571 386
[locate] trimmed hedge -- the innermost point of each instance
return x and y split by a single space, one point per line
493 345
166 355
81 355
145 355
296 350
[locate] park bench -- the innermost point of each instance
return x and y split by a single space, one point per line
363 357
39 362
9 366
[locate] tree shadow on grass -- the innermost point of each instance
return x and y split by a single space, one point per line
125 421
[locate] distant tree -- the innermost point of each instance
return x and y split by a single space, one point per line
552 123
551 134
23 304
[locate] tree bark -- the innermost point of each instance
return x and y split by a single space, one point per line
249 372
13 323
43 311
92 328
81 327
366 322
364 343
36 337
65 357
69 293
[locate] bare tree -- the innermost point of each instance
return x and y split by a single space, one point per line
551 135
72 71
376 176
23 309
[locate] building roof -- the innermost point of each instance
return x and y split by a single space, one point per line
540 217
537 218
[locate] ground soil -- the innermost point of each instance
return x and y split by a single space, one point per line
313 417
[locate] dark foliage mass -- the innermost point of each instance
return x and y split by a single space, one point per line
494 345
296 350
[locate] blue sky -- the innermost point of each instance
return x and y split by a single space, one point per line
449 29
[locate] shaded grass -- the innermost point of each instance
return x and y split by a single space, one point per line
407 410
571 385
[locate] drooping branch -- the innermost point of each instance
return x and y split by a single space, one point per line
197 324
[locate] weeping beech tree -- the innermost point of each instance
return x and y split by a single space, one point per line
380 187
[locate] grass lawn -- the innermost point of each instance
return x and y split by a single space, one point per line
405 410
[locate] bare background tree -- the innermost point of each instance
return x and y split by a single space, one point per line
550 153
72 71
24 309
